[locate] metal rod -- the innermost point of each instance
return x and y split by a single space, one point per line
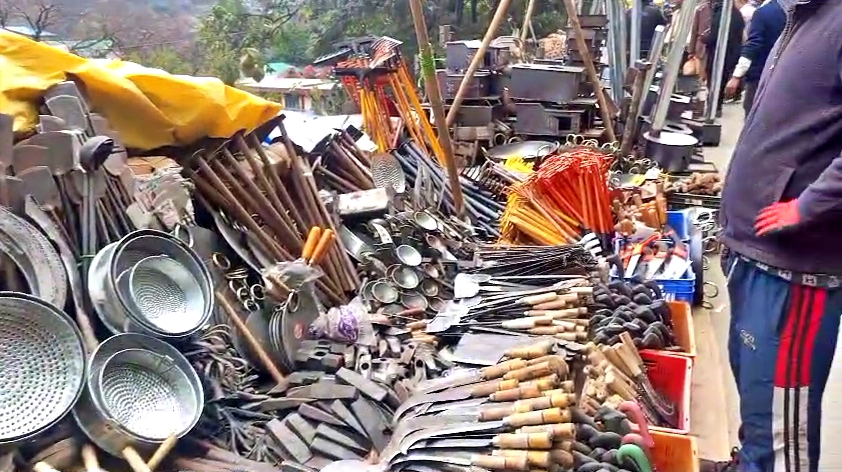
623 37
436 102
715 81
679 41
614 51
654 59
634 36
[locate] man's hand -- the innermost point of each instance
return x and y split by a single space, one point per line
777 216
732 86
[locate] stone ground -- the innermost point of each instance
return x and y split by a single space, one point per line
715 426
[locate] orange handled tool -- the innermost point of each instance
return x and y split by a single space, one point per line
311 242
322 247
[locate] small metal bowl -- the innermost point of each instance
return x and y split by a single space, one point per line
406 278
437 304
384 292
425 221
431 270
430 288
408 255
414 300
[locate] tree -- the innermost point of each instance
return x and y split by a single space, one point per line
37 15
239 37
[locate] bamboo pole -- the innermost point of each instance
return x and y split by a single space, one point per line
593 77
527 22
428 69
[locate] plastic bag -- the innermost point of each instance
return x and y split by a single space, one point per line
285 277
349 323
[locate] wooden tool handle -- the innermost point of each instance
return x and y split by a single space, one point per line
562 400
538 299
162 452
501 463
542 441
557 314
543 383
558 363
533 458
568 386
252 342
501 369
530 372
135 461
555 304
89 459
563 458
514 394
548 416
581 290
545 330
527 322
496 414
323 246
310 243
43 467
533 351
485 389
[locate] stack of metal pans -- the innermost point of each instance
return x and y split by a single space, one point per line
139 391
153 283
282 329
42 364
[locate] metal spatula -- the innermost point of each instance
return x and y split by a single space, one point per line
47 123
69 109
68 87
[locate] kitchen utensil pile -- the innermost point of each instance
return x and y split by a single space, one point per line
566 195
430 189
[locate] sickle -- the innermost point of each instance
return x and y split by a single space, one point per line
636 455
633 411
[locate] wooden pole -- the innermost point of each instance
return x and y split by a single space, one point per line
527 22
431 84
472 68
593 77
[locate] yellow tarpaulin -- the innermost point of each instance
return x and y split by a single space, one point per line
147 107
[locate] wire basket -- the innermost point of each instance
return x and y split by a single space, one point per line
42 364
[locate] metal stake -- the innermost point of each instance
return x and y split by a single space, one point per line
715 82
634 36
679 40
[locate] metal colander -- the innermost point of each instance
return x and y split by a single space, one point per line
172 296
42 366
166 294
147 394
139 391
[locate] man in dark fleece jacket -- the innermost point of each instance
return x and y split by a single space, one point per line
765 28
782 216
650 18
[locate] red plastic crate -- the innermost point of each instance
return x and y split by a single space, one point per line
671 375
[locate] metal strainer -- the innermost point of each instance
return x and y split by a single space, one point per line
166 295
42 366
147 394
139 391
